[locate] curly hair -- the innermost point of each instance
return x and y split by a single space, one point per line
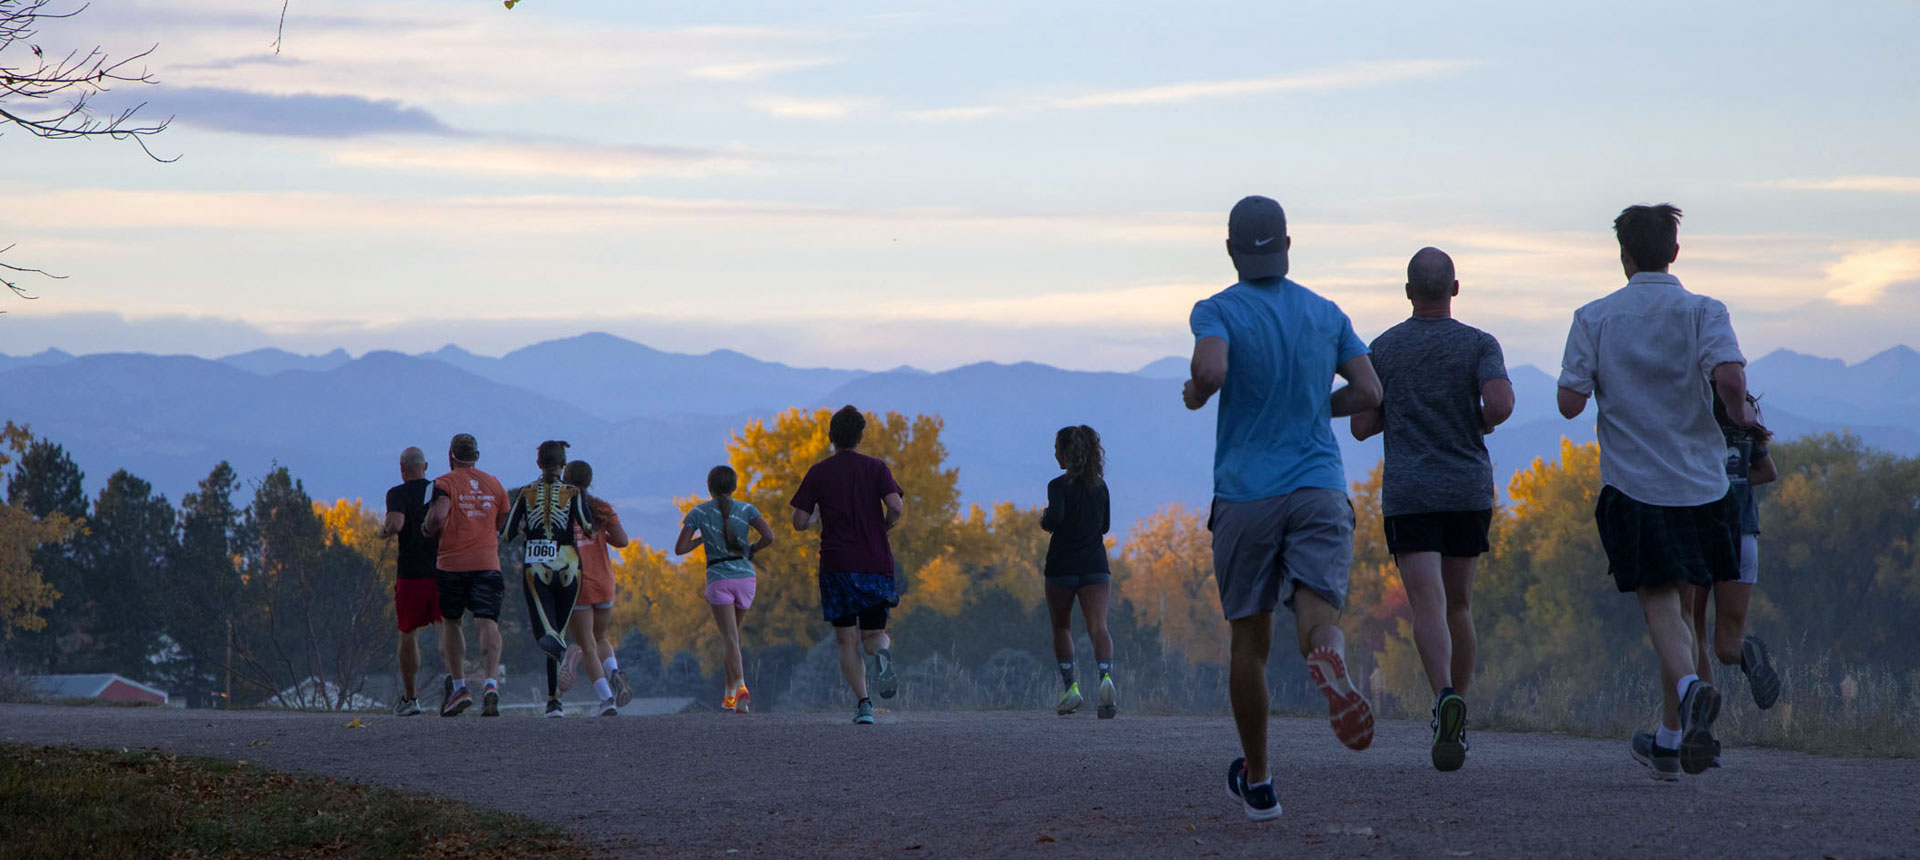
1759 431
1080 453
847 427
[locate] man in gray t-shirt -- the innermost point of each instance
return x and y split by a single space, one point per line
1445 387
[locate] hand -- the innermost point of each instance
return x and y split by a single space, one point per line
1747 417
1190 395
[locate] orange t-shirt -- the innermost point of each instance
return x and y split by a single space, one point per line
596 571
470 539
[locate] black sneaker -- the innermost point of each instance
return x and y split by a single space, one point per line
555 709
1449 728
1259 802
1716 753
457 703
1662 763
553 646
1698 709
490 702
885 678
1761 678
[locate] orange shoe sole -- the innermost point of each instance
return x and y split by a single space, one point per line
1348 711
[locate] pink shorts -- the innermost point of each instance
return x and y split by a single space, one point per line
731 592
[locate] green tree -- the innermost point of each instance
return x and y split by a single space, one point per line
200 604
24 591
46 486
122 559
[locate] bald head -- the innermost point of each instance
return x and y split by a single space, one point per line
413 464
1430 276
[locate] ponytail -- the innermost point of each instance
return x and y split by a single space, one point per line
721 482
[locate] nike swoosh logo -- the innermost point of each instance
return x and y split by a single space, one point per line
1261 243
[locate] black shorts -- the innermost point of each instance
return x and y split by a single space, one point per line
1651 545
1454 534
478 591
870 618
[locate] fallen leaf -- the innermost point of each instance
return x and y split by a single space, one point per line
1189 827
1044 838
356 724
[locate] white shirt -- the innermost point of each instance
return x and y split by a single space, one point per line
1646 353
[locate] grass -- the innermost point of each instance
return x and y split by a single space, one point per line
66 802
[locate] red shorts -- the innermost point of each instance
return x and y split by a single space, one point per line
416 603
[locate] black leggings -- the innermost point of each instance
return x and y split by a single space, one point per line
551 593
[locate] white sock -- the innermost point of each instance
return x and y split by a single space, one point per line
1687 682
612 664
493 684
1267 781
603 688
1666 738
459 684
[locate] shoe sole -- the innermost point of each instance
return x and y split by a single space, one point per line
1448 752
490 705
1656 773
1107 707
863 721
556 715
622 688
459 707
1764 681
1234 770
1347 711
566 677
1107 712
889 683
1697 713
743 704
1069 705
610 712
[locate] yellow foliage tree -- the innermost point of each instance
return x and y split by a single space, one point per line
350 524
23 593
1167 572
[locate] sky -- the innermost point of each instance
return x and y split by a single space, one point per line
939 183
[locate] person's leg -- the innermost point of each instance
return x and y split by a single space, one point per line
1317 628
853 667
1093 608
1672 642
1730 601
1457 576
409 662
1060 612
1427 599
453 649
490 590
727 621
1251 641
739 633
1697 599
602 637
875 641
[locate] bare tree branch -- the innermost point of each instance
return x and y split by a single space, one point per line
79 75
280 34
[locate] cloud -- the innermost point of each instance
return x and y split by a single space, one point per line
754 70
1885 184
799 108
1863 276
562 159
297 115
1343 76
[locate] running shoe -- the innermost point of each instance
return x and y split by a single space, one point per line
608 708
888 681
1347 710
406 707
1449 727
863 715
622 688
730 704
1070 700
553 646
569 671
742 700
490 702
1764 682
1716 753
1698 709
446 690
1261 803
1107 706
459 703
555 709
1662 763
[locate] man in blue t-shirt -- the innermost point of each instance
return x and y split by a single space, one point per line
1282 524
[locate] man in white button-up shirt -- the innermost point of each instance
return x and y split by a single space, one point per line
1647 351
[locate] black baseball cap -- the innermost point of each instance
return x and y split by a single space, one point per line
1257 238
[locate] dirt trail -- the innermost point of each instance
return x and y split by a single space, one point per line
1005 784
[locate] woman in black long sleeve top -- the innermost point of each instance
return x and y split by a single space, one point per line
1077 516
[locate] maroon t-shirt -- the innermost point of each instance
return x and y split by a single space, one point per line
849 487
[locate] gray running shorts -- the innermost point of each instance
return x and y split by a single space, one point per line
1265 548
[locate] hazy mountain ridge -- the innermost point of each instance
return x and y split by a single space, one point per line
653 422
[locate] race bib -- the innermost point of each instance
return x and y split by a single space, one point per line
543 551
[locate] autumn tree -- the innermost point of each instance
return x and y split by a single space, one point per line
46 485
1167 572
24 591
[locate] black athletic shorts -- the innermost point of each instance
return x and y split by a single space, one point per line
1651 545
870 618
478 591
1454 534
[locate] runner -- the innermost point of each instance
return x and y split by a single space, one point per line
722 527
547 513
1665 513
469 507
1281 521
1748 464
416 600
855 501
1445 387
596 588
1077 517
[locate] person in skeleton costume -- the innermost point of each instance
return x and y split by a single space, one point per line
545 514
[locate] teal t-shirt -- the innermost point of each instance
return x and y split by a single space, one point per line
724 562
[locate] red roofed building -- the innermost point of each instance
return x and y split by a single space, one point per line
107 688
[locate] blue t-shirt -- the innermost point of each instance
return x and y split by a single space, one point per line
724 562
1275 432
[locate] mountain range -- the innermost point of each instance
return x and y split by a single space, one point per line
653 422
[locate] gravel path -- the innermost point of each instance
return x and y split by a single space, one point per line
1005 784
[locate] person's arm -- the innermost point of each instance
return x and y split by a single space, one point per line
1208 371
1763 471
765 530
1050 517
1730 380
1368 423
1496 403
509 520
803 520
686 541
1577 376
1572 403
394 523
503 507
610 526
437 515
1106 510
1362 391
895 507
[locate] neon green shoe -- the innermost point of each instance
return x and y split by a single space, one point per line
1107 705
1070 700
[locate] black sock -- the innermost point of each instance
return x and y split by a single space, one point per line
1106 668
865 700
1445 692
1066 673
